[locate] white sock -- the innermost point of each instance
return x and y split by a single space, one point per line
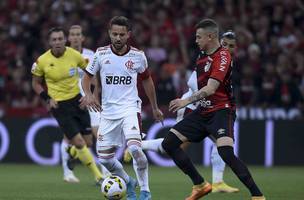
64 157
140 165
114 167
218 166
153 145
104 170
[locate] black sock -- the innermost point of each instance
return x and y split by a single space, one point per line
239 168
171 145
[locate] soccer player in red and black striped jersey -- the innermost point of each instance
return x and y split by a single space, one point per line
214 116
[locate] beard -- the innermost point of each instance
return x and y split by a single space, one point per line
118 46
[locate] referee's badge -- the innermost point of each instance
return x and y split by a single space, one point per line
72 71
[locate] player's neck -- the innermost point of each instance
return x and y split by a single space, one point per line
58 53
78 48
121 51
212 48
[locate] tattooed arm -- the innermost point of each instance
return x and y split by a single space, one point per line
206 91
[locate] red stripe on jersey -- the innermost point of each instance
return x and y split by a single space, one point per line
219 67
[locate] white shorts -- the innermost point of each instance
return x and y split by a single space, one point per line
94 116
114 132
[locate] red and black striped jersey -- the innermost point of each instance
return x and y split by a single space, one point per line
217 66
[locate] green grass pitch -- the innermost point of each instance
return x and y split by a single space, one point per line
32 182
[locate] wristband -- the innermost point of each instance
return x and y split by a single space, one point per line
44 96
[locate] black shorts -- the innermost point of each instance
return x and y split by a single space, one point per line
71 119
195 126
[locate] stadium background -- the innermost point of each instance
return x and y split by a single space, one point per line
268 81
268 74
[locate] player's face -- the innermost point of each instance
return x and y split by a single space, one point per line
229 44
57 42
203 37
75 36
119 36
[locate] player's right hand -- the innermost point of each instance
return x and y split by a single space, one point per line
90 102
52 104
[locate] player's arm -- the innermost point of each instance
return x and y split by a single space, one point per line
97 87
37 84
218 73
149 88
89 100
204 92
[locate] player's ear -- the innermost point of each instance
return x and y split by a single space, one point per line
129 34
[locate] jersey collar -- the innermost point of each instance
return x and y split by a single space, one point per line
127 51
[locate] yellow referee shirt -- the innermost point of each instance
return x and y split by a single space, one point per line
60 74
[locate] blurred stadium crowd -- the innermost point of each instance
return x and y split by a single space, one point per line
269 61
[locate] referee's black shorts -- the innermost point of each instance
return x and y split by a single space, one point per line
195 126
71 118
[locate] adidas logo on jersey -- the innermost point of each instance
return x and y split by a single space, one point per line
107 62
115 80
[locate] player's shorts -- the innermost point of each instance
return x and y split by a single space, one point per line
195 126
71 118
94 116
114 132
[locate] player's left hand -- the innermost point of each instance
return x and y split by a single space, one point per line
177 104
158 115
91 102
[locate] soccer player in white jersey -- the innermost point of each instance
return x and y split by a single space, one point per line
76 39
228 41
119 65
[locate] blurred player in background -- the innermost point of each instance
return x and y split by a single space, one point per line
119 65
228 41
59 68
214 116
76 39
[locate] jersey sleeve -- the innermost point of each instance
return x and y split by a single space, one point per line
82 62
143 63
93 66
37 69
221 65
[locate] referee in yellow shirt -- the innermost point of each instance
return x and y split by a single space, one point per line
58 67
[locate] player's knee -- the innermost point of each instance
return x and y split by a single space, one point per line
78 141
138 155
171 142
110 164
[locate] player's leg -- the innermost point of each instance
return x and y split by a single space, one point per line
222 129
189 129
131 129
218 167
68 175
81 122
72 124
146 145
84 155
95 122
108 139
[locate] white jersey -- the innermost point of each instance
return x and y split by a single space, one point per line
87 54
192 85
118 76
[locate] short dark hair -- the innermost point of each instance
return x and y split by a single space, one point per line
55 29
121 21
229 35
208 24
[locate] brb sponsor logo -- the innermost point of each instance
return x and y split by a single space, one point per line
118 80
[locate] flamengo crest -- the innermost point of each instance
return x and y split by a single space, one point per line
129 64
